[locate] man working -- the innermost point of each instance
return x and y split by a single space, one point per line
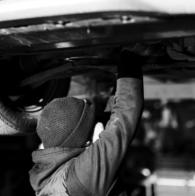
69 167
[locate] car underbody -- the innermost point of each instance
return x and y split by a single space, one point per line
93 42
39 55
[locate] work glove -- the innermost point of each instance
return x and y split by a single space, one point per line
130 65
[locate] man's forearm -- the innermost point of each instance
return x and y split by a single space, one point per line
130 89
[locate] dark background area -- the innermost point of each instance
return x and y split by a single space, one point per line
15 163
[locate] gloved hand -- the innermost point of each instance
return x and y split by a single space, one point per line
130 65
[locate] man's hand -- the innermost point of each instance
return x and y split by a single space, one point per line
130 65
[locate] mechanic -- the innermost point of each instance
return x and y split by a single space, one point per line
68 164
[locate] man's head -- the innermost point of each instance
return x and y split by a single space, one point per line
66 122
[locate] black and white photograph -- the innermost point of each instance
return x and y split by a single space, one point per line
97 98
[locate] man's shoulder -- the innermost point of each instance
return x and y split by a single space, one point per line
56 184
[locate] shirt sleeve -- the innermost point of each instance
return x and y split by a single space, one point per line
95 168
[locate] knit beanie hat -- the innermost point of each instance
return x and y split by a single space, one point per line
66 122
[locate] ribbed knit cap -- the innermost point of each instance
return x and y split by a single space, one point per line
66 122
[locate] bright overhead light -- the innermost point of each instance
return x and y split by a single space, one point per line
146 172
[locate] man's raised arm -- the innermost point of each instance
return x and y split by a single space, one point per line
95 169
